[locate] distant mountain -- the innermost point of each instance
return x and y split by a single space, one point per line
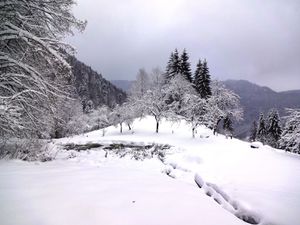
91 86
255 99
125 85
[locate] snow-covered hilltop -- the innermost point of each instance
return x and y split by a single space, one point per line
141 177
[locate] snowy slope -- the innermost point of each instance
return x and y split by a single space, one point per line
93 190
262 183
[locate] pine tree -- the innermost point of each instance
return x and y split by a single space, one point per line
227 126
273 128
197 76
185 66
173 67
253 131
202 80
261 130
169 69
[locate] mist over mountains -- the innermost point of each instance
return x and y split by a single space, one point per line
254 100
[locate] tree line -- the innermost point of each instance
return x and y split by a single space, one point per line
270 131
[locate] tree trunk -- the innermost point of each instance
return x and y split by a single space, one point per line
129 127
193 131
121 128
157 125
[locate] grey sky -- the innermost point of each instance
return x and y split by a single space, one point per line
257 40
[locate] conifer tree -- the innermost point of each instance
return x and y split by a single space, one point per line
169 69
173 67
253 131
185 66
197 77
261 130
227 125
202 80
273 128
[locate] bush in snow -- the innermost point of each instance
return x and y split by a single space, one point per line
25 149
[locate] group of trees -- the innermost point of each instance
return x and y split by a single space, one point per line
290 137
176 94
267 131
35 79
270 131
181 65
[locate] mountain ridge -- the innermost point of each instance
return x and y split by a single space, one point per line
91 87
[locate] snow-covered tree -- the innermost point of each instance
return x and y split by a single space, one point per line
273 127
154 102
185 66
33 69
290 137
156 78
221 103
261 129
193 110
202 80
125 113
140 85
175 92
253 131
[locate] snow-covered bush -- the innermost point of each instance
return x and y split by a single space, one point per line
25 149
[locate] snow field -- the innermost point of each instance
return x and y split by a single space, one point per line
211 174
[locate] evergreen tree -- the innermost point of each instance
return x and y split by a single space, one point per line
197 76
227 126
185 66
173 67
253 131
202 80
261 130
273 128
169 69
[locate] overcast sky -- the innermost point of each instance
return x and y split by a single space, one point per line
257 40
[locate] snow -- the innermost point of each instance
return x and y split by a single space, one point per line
216 181
92 190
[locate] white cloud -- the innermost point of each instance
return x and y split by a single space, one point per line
249 39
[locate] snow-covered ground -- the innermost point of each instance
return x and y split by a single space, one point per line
86 187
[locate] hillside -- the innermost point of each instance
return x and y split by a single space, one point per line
90 85
255 99
140 177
